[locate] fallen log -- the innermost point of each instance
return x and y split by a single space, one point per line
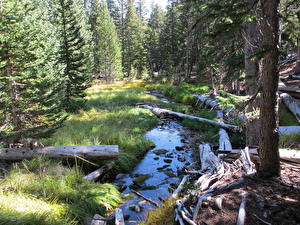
209 161
99 172
292 105
290 155
92 152
164 112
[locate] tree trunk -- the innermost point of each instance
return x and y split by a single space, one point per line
91 152
269 155
297 68
252 47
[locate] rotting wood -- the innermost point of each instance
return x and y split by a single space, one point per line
99 172
164 112
180 186
147 199
119 218
292 105
92 152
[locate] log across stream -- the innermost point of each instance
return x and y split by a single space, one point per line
157 172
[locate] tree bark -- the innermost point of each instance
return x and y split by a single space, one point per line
269 155
252 47
92 152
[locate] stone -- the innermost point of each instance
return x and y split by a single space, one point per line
156 158
136 208
179 148
167 160
160 151
181 159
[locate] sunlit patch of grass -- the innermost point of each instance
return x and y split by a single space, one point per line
161 216
111 117
230 100
22 209
47 185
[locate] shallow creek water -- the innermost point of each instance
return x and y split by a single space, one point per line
157 171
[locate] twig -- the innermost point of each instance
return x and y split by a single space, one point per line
147 199
242 211
261 220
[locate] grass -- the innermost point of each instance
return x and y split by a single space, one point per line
111 118
161 216
43 191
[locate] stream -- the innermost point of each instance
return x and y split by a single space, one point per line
156 176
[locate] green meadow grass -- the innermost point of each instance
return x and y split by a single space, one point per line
48 192
43 191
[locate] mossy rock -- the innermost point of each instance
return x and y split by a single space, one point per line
169 173
160 151
140 178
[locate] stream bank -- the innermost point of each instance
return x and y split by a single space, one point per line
159 173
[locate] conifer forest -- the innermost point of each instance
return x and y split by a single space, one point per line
150 112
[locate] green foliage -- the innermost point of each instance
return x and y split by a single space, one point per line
134 59
71 52
108 46
43 191
30 86
230 100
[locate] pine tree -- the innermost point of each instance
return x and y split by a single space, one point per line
71 53
155 26
134 57
109 51
30 88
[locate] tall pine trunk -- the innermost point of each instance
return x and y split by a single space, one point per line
269 155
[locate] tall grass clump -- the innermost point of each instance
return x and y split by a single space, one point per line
111 117
44 191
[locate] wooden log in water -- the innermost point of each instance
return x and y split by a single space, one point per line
119 218
91 152
164 112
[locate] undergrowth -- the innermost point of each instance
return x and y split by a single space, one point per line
44 191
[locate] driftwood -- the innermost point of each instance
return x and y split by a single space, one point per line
147 199
242 211
164 112
99 172
290 155
230 113
224 141
92 152
180 186
119 218
292 105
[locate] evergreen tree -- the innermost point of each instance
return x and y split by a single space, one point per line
155 26
109 51
134 60
115 14
71 53
30 87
